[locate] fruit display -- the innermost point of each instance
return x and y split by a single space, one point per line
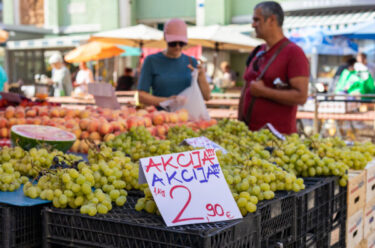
256 166
29 136
96 124
26 102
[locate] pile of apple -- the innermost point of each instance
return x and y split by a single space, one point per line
94 123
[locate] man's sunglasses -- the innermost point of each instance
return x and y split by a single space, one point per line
174 44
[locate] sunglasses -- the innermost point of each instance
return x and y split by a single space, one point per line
175 43
256 61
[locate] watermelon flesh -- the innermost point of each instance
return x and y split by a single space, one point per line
29 136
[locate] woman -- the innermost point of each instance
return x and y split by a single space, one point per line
168 73
84 77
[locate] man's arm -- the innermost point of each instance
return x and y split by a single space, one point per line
294 96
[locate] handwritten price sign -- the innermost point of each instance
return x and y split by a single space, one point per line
204 143
189 187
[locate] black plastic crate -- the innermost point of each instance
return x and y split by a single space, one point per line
338 216
125 227
20 227
313 212
278 220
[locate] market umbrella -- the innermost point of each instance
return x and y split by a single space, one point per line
4 35
135 36
93 51
220 38
364 30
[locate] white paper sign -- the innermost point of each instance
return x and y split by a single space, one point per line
274 131
189 187
205 143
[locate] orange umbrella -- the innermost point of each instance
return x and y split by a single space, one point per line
4 35
94 50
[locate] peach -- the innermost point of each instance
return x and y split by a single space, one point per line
84 114
183 115
31 113
70 113
62 112
75 146
77 132
141 112
158 118
9 112
21 121
105 128
132 122
85 135
108 137
152 130
3 122
150 108
54 112
95 136
12 122
93 126
4 133
83 146
147 121
37 121
84 123
160 130
173 117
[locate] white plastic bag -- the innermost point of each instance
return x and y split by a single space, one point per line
190 99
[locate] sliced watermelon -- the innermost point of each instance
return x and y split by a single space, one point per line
29 136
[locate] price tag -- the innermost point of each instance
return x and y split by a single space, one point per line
274 131
204 143
189 187
104 95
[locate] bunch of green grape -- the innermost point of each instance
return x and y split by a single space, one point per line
355 157
139 143
147 203
10 179
113 170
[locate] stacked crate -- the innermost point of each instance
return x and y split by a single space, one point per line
369 207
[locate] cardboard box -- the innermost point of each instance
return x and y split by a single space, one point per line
356 198
354 229
369 218
370 181
369 242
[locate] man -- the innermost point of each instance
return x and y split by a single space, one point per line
60 76
126 81
274 97
363 65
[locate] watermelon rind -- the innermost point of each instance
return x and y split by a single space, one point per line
18 137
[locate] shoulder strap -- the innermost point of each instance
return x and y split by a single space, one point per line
252 55
285 43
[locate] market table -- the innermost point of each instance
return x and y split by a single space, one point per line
85 101
126 93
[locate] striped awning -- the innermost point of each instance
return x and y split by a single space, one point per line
332 20
53 42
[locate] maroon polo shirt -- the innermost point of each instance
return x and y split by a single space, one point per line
290 62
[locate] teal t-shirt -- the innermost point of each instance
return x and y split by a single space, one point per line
3 78
165 76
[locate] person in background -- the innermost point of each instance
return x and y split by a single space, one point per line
227 79
349 65
61 78
126 81
273 97
363 65
83 78
3 80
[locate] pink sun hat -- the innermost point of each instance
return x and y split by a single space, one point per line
175 30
